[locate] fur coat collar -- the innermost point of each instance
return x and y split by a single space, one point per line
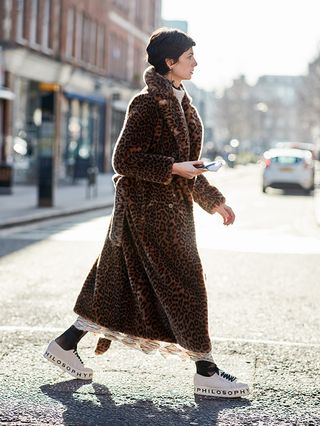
186 128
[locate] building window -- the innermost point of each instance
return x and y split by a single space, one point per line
122 5
21 26
124 59
84 40
23 22
100 46
84 138
70 32
118 56
39 21
152 14
46 24
73 137
34 14
85 51
139 13
115 55
93 42
137 65
79 35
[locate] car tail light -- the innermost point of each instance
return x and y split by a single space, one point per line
267 163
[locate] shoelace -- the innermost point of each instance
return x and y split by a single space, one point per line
77 355
227 376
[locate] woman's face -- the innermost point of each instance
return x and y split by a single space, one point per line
183 69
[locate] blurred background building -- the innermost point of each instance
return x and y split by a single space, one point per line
276 109
68 69
71 67
202 99
176 23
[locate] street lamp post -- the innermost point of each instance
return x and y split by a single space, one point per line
46 138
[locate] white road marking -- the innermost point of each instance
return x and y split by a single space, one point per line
256 241
265 342
37 329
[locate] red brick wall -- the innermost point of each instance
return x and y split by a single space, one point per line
122 48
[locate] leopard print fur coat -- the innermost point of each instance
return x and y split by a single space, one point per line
148 280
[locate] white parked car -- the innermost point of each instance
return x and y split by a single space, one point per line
288 168
298 145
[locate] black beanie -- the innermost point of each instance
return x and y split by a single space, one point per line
167 43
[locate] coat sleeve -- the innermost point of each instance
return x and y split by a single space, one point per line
207 196
131 157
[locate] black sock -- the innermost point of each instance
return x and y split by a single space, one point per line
206 368
70 338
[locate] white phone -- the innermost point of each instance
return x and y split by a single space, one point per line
214 166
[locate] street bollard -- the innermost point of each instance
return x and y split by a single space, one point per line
92 187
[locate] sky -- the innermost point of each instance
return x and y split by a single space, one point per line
250 37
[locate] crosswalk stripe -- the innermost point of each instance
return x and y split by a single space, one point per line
48 329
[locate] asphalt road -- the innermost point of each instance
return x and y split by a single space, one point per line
263 286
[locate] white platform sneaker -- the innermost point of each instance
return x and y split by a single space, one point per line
219 385
68 361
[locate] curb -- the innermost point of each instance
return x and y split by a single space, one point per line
316 193
317 206
40 217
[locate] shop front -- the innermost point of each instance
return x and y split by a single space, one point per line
119 108
6 170
83 144
26 123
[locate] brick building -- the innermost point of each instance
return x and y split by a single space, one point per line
71 67
259 116
310 115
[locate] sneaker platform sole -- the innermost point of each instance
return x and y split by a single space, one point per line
220 393
67 368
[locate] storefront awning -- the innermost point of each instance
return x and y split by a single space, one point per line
6 94
85 98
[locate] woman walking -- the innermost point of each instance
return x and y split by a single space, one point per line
146 288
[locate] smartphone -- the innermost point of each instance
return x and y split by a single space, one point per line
214 166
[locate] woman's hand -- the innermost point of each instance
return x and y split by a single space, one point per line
226 213
187 169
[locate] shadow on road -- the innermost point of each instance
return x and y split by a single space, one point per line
11 245
97 408
290 192
15 239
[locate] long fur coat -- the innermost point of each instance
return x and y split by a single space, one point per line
148 281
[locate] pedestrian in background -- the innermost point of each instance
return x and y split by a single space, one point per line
147 288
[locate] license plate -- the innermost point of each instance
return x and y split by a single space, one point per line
286 169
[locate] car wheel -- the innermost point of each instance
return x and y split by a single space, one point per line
264 189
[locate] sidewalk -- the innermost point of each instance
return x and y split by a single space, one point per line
317 193
317 205
21 206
